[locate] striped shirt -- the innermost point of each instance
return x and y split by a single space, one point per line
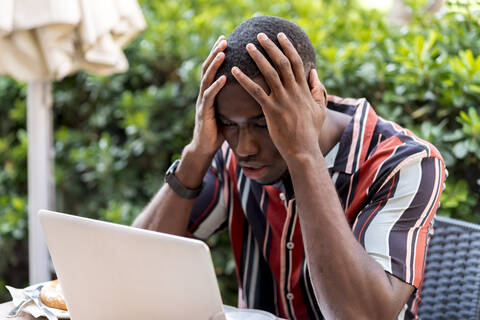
388 181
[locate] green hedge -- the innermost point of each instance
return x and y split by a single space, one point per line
115 136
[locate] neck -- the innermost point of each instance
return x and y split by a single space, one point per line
333 127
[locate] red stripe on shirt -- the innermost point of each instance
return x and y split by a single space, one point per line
366 176
212 203
296 271
380 205
368 133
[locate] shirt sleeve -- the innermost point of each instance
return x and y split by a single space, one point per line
209 213
396 225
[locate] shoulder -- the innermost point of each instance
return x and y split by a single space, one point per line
398 148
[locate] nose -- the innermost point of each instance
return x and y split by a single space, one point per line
246 144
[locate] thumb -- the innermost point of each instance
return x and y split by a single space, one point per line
317 89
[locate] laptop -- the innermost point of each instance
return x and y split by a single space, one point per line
112 271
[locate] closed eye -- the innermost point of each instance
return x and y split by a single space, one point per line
262 123
227 123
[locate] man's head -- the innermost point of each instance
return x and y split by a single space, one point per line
240 117
246 32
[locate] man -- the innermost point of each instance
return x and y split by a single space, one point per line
292 172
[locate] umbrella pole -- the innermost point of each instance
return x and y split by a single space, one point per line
40 174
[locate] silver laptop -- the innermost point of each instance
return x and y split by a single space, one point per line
111 271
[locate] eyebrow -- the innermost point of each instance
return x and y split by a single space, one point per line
259 117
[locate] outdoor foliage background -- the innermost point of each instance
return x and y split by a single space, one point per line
115 136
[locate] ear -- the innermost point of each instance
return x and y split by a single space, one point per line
318 91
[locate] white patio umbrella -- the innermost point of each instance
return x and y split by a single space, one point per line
44 40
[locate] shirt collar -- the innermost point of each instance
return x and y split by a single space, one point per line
331 156
345 156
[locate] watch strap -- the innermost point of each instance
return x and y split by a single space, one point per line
179 188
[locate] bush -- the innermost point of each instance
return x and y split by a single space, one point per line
115 136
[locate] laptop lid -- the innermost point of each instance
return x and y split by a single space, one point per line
111 271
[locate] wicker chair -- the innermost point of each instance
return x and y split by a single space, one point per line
451 287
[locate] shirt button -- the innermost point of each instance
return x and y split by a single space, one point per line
282 196
290 296
290 245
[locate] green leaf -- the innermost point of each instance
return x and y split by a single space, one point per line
475 88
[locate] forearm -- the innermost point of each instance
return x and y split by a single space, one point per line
168 212
348 283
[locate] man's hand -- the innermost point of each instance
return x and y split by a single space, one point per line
206 136
294 113
207 139
168 212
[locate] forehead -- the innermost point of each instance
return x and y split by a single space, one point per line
234 100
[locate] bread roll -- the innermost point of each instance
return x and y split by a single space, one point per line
51 295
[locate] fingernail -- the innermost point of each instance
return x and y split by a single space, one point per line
251 46
262 36
235 70
282 35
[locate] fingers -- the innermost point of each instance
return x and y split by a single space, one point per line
267 70
279 59
209 74
250 86
210 93
288 63
211 64
293 57
219 46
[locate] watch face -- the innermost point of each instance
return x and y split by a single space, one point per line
173 167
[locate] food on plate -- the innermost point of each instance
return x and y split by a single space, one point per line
51 295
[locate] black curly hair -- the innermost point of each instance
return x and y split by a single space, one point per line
236 54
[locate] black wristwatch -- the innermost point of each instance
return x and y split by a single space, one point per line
179 189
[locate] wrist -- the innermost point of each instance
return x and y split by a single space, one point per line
202 150
305 160
177 186
193 167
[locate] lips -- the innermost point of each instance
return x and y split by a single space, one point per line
253 171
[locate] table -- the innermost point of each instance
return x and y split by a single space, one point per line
6 307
